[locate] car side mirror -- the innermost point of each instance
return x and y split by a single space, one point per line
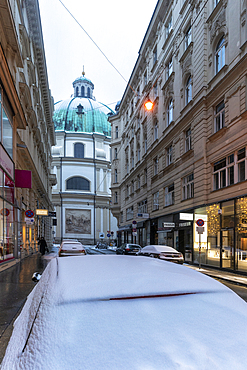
36 277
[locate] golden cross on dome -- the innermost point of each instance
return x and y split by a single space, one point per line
83 73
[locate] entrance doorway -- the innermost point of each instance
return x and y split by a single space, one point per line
227 249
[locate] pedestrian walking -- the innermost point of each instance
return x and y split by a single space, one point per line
42 245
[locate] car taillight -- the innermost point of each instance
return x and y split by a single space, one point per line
127 249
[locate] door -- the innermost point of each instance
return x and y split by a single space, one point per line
227 248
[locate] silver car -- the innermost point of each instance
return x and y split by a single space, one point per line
163 252
71 248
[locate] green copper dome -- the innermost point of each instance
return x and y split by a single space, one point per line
82 113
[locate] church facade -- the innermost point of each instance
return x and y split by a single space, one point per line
82 164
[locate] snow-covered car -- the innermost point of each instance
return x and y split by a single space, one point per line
163 252
128 248
71 248
108 312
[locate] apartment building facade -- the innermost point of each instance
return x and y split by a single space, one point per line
185 160
26 131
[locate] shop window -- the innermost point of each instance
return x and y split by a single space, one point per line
241 164
219 118
228 214
8 189
188 186
169 195
155 201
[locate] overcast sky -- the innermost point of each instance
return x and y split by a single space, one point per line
116 26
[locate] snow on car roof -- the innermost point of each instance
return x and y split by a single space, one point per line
68 321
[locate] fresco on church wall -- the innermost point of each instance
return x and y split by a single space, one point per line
77 221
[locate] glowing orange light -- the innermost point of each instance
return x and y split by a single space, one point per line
149 105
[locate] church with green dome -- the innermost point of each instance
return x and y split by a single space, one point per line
82 164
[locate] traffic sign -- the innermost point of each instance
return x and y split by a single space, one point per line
134 222
29 213
108 235
200 222
134 230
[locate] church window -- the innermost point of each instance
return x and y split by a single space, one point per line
79 150
77 91
82 91
88 92
77 183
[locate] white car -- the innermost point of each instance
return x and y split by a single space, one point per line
71 248
108 312
163 252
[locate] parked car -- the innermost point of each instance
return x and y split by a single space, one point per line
127 248
71 248
116 312
163 252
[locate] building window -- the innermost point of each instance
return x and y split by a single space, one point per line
169 68
155 201
219 118
6 129
79 150
116 197
169 195
127 191
138 153
77 183
188 90
169 26
145 78
115 151
116 132
187 37
132 187
115 179
129 213
220 54
145 143
188 140
155 55
145 175
188 186
169 155
142 207
241 164
138 181
156 166
132 160
121 217
156 131
170 112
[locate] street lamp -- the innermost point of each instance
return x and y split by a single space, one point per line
148 104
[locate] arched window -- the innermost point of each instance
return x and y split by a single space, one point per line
220 55
77 183
170 112
79 150
88 92
188 90
82 91
77 91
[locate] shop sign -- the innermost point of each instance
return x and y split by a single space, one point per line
184 224
168 224
142 215
186 216
42 212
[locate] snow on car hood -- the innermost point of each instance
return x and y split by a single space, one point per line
67 324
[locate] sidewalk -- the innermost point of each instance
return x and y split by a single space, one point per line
15 285
231 277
